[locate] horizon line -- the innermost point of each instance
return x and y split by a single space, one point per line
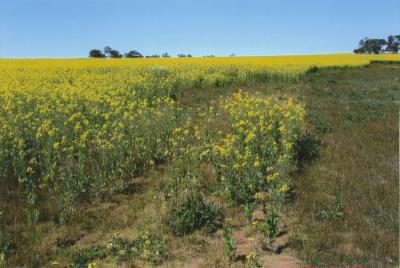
193 56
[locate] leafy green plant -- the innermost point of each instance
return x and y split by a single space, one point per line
193 214
146 246
248 210
272 225
229 241
331 212
269 228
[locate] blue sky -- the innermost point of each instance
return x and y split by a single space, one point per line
61 28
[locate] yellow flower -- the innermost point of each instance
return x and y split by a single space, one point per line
29 170
56 145
284 188
250 137
251 256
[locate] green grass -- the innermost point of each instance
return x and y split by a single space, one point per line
355 184
343 208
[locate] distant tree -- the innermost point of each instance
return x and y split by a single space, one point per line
115 54
153 56
361 47
371 46
96 53
133 54
189 56
392 44
165 55
111 53
232 55
181 55
359 50
107 51
377 45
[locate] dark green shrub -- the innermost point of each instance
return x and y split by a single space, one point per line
192 215
307 147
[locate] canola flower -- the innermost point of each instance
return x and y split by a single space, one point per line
67 142
256 155
249 156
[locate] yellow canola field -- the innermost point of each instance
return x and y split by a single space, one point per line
159 76
69 125
297 61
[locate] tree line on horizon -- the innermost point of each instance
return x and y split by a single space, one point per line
378 46
108 52
365 46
